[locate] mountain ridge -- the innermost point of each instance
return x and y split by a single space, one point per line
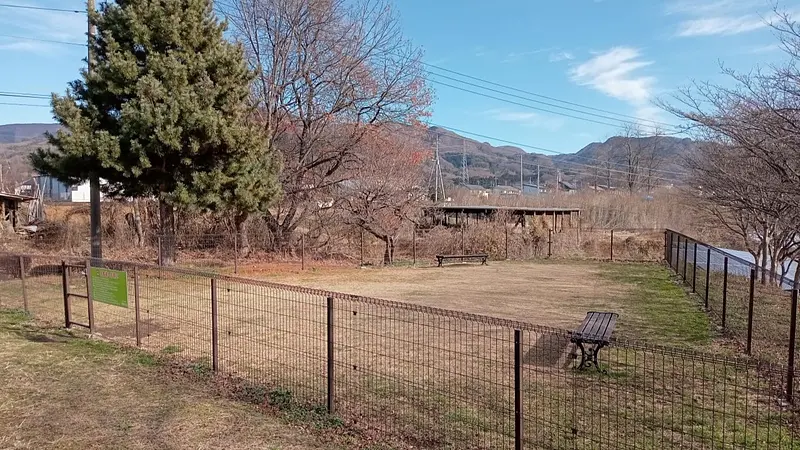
487 164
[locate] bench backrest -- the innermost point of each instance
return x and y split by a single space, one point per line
597 326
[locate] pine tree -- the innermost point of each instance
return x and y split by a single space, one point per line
164 113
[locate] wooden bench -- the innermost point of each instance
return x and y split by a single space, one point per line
594 334
481 256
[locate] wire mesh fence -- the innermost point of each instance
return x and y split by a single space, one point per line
753 308
411 374
419 246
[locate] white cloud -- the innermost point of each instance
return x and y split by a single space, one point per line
44 24
613 73
526 118
700 7
769 48
723 25
517 56
561 56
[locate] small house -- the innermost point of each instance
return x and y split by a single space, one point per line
505 190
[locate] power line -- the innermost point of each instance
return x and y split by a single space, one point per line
524 105
23 104
42 8
549 104
533 147
504 86
42 40
24 95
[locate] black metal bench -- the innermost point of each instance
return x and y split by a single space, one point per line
480 256
594 334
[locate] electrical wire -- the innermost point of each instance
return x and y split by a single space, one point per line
534 147
42 8
579 105
23 104
623 121
42 40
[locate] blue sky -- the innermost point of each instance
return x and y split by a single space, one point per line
617 55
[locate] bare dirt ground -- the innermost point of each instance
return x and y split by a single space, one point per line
556 294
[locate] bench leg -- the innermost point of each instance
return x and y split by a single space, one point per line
589 356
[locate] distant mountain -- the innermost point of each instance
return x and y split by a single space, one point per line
489 165
19 132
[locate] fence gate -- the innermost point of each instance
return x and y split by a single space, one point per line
75 284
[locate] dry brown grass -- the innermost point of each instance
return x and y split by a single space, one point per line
62 392
438 379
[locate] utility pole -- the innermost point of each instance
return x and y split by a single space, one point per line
464 170
538 180
94 181
558 179
521 183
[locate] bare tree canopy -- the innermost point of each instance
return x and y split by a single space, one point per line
748 173
329 72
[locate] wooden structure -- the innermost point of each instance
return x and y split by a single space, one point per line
594 334
482 257
556 218
9 206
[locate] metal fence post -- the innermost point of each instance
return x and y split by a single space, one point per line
65 289
694 270
214 327
724 290
89 296
678 255
549 243
666 246
362 248
792 335
506 228
235 253
463 252
414 245
136 307
22 279
612 245
302 252
685 257
518 389
750 310
708 272
160 249
330 356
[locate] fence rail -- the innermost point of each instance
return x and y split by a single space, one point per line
423 376
419 247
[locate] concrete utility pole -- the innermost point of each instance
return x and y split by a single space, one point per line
558 179
464 170
538 180
521 183
94 180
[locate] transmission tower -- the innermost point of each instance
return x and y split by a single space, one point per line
464 169
436 175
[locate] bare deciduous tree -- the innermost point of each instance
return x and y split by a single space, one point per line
388 187
330 71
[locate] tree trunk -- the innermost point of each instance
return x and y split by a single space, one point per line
241 221
388 253
137 223
764 256
167 217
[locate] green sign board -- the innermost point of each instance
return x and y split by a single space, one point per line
109 286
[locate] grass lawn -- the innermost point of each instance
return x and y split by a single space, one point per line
66 392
